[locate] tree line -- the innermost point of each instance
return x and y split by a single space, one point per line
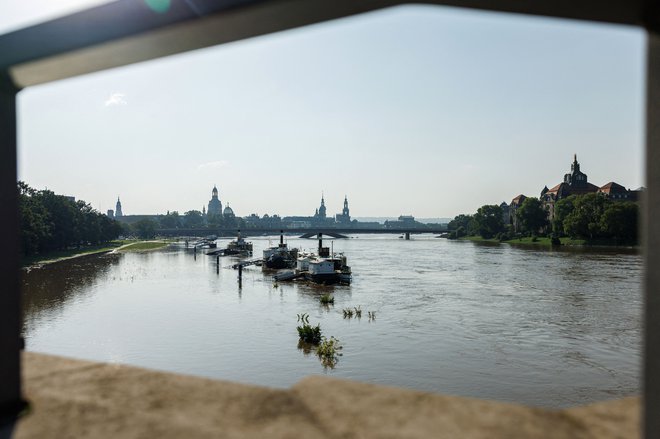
591 217
51 222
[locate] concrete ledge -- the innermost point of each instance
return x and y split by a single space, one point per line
72 398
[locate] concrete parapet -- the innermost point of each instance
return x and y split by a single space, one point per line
72 398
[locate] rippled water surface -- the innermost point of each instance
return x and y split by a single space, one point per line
548 328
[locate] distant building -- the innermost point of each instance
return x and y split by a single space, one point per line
615 191
118 212
215 206
344 217
228 212
111 213
405 221
506 214
320 214
513 209
576 183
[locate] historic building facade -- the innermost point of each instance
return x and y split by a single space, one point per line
576 183
215 206
118 212
344 217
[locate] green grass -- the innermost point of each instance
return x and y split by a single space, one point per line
60 255
528 240
143 245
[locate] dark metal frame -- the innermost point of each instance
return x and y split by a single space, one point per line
127 31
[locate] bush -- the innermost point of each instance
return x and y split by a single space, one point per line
308 333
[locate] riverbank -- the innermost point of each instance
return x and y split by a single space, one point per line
73 398
117 245
546 242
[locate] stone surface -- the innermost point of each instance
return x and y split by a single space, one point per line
72 398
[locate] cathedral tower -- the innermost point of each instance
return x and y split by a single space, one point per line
215 206
118 212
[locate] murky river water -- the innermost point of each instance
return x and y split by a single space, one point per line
547 328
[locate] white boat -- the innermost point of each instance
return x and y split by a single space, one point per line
324 268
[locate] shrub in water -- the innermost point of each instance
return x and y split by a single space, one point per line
308 333
327 299
328 352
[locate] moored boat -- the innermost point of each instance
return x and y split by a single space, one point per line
239 246
322 268
280 256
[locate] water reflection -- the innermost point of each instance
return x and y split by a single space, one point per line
545 327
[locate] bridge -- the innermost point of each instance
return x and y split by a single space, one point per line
307 232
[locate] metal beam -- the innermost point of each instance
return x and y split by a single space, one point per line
127 31
651 225
10 312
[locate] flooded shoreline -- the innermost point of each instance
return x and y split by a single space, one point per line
545 328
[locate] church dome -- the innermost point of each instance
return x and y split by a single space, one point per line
228 211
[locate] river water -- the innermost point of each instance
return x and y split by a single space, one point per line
539 327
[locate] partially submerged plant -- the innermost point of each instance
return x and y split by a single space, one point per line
348 313
372 315
308 333
358 312
327 299
328 352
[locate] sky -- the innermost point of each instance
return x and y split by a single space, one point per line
429 111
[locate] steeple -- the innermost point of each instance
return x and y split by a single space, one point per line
576 177
345 209
322 207
118 211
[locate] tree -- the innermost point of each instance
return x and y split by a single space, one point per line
532 215
145 228
584 220
619 222
193 219
460 224
563 208
170 221
487 222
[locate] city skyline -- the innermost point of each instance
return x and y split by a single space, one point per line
411 110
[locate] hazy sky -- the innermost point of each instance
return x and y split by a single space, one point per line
414 110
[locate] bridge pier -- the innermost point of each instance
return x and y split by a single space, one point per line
407 236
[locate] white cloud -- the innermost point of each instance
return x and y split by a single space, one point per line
116 99
213 165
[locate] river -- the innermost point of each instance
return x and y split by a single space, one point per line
539 327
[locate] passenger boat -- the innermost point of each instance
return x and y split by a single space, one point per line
239 246
279 257
322 268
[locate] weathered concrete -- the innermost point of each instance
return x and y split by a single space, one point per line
72 398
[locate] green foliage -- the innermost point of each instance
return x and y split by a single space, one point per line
193 219
328 352
308 333
584 219
595 218
172 220
563 208
532 216
348 313
327 299
487 222
619 222
460 224
51 222
145 228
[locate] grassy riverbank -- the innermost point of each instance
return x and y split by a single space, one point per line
143 246
120 245
528 240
